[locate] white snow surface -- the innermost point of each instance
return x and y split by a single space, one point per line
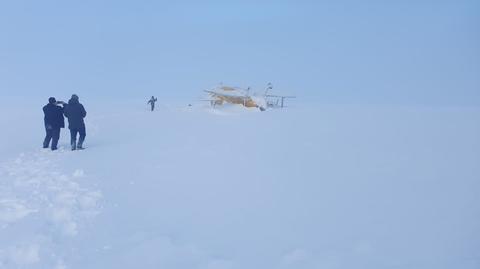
192 187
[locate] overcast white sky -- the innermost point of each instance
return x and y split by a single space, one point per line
360 52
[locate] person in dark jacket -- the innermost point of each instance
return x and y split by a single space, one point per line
75 112
54 121
152 102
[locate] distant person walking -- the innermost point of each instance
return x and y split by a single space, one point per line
152 102
54 121
75 112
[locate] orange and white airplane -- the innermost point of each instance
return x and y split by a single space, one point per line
235 95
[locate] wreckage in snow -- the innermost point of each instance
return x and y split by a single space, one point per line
235 95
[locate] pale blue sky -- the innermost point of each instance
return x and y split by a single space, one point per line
360 52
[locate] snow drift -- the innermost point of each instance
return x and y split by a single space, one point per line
192 187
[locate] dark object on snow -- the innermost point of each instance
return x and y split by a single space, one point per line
75 112
152 102
53 120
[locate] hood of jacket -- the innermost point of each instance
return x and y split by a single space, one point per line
73 101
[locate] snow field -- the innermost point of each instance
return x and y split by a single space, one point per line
40 203
191 187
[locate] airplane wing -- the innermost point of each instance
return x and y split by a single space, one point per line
211 92
224 95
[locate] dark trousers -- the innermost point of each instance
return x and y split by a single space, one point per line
52 134
153 106
73 137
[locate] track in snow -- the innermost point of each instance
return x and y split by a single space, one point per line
51 204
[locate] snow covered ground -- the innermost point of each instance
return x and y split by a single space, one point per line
191 187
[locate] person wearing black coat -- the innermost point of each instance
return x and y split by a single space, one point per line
75 113
54 121
152 103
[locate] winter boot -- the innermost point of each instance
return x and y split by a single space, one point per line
80 145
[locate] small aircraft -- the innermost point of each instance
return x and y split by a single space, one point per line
235 95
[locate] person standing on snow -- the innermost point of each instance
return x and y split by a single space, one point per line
54 121
75 112
152 102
